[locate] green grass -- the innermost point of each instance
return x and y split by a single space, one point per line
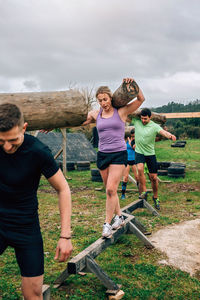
127 262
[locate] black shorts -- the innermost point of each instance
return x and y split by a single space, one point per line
131 162
28 245
113 158
150 160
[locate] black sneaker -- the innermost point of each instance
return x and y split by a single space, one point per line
156 203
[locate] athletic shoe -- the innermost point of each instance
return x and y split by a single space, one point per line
143 195
118 222
107 230
156 203
123 197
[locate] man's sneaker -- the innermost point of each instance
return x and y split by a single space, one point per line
107 230
118 222
156 203
123 197
143 195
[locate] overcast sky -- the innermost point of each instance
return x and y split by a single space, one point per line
48 45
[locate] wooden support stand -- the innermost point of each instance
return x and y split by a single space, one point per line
84 261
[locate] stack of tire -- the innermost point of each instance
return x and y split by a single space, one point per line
96 175
163 168
176 170
179 144
83 165
70 165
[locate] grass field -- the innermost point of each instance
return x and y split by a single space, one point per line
127 262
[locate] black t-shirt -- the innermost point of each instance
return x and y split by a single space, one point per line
20 174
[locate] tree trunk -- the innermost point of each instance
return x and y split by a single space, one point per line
124 94
47 110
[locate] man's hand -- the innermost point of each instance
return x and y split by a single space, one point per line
173 138
63 250
91 117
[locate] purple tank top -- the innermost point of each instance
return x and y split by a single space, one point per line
111 133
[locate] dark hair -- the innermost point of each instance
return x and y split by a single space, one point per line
145 112
127 134
10 116
132 131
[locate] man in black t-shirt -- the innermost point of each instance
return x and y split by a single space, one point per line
23 159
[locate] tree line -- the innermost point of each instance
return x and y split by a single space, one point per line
183 127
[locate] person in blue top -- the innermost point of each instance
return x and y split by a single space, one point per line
130 144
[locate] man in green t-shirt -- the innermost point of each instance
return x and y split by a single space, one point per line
145 135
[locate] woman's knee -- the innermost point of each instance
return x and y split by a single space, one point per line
111 191
153 177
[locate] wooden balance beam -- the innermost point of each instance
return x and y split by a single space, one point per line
84 261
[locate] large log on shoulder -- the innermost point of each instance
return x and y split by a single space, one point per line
47 110
124 94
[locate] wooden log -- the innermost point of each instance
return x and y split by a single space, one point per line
156 117
47 110
124 94
182 115
118 296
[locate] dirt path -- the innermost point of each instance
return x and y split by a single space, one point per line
181 244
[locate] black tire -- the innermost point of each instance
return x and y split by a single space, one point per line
163 165
83 163
176 175
178 145
95 172
182 142
176 170
70 164
70 168
83 168
178 165
162 172
97 178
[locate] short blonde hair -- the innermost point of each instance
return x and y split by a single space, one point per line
104 90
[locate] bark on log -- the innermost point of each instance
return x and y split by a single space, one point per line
124 94
47 110
158 118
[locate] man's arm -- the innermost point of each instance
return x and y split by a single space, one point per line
91 117
167 134
64 246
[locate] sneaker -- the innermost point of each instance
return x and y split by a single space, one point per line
118 222
123 197
156 203
107 230
143 195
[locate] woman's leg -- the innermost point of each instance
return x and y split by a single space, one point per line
111 178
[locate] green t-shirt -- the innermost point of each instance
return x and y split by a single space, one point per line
145 136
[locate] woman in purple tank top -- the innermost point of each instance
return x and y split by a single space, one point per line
112 154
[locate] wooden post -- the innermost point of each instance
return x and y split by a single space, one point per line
64 144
